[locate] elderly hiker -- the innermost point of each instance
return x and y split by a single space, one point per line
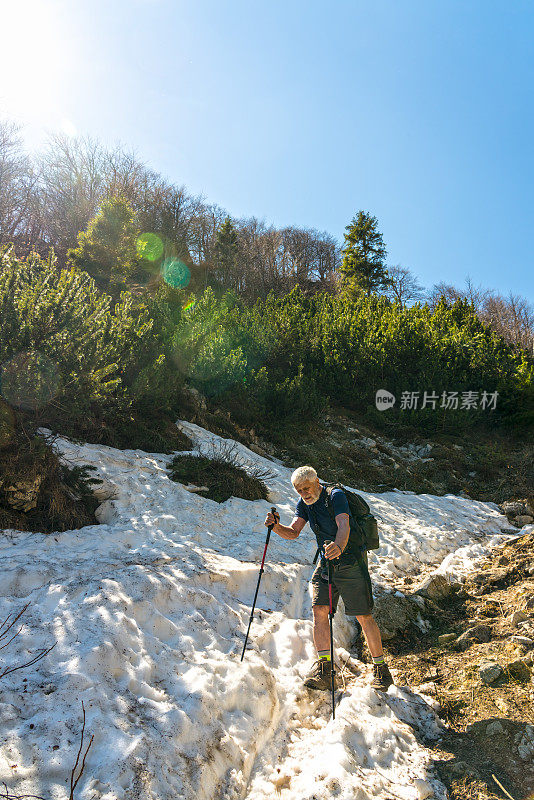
338 540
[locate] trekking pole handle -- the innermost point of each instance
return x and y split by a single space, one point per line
269 529
330 541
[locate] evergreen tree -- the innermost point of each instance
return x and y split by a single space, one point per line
364 254
107 249
226 253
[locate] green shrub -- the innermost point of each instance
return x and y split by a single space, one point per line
223 473
289 356
40 493
107 249
204 347
72 359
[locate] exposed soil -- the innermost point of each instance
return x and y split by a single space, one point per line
490 726
488 465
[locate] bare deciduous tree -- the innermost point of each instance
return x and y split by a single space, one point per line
443 290
512 318
18 188
404 286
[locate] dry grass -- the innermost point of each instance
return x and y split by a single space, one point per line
223 472
65 499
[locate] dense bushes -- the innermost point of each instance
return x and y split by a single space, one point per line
68 356
286 356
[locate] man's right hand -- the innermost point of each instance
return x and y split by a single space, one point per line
272 519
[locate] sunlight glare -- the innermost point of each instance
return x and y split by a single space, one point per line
33 66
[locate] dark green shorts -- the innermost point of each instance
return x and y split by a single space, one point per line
350 583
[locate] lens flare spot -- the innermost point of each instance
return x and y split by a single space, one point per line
30 380
189 305
7 424
149 246
176 273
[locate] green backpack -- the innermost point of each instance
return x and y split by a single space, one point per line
363 529
366 524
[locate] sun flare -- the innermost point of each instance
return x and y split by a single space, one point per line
32 59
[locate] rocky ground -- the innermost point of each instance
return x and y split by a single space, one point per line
488 464
476 663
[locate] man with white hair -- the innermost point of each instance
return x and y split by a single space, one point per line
340 542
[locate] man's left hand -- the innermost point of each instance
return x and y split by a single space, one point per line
332 550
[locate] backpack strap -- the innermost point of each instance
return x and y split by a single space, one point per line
359 558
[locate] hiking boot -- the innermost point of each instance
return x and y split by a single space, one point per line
382 679
320 675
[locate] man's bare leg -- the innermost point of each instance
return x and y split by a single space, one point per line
371 632
321 628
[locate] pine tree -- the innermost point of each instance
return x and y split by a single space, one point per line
364 254
107 249
226 253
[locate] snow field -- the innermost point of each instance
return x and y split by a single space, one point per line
149 610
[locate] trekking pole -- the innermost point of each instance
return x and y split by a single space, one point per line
331 618
269 529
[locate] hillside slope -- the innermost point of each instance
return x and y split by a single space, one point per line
148 611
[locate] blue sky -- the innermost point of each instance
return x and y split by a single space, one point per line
302 113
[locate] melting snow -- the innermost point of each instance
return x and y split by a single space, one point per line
149 611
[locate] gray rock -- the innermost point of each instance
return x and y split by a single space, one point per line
517 617
393 614
435 587
513 507
424 789
494 728
523 519
480 633
489 672
526 641
525 753
519 669
23 495
196 396
424 451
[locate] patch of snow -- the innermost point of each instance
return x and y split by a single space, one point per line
149 610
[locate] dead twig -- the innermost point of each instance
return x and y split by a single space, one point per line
13 637
8 796
4 630
34 660
73 780
5 627
502 787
